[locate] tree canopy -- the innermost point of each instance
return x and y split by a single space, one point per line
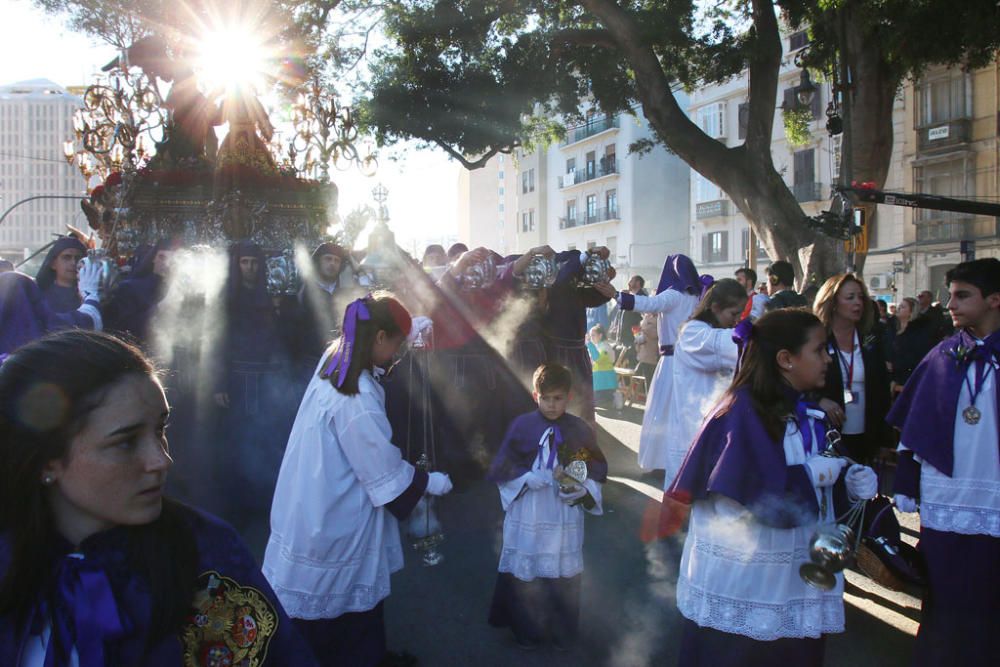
478 77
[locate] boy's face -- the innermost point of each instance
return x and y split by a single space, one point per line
552 404
968 306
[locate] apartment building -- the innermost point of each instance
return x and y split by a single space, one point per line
35 120
583 192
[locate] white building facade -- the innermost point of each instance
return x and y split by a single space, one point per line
35 120
584 192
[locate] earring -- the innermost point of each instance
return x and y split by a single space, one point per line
47 480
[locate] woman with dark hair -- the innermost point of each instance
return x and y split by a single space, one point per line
704 362
911 342
342 489
56 277
759 486
856 394
99 568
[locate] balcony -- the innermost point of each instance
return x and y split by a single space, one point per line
942 226
936 137
589 129
713 209
807 192
606 168
599 215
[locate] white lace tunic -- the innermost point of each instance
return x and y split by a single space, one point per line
968 502
333 544
542 535
742 577
674 308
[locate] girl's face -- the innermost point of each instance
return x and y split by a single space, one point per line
728 317
806 370
116 466
385 347
850 302
596 336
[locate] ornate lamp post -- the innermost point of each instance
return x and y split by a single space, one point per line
325 132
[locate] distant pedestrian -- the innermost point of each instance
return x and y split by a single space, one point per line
781 287
603 360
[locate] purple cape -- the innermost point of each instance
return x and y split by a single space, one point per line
733 455
925 411
520 446
24 315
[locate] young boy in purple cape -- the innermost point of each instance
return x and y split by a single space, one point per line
537 593
949 468
759 486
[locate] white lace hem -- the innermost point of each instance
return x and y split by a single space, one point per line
962 520
528 567
795 618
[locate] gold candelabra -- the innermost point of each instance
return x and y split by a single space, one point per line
325 133
121 120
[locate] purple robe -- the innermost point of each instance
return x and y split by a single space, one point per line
926 410
227 573
25 316
962 602
520 446
733 455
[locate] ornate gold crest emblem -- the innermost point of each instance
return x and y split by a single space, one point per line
230 625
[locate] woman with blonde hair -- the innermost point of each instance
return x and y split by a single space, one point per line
856 394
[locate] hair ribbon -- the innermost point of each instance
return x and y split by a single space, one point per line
706 281
742 335
340 360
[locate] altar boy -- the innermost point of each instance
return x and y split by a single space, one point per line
949 468
538 589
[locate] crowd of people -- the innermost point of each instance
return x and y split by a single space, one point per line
335 416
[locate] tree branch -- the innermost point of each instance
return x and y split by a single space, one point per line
472 164
765 63
585 37
703 153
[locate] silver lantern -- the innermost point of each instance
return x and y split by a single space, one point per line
596 269
540 272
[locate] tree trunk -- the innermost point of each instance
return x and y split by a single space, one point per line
746 173
871 101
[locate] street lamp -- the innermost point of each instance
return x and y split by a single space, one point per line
806 90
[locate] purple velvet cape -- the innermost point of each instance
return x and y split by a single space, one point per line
734 456
220 550
925 412
520 446
25 316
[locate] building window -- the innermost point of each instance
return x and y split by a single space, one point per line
591 165
609 165
715 247
712 120
500 192
571 211
804 185
943 98
947 179
612 245
528 221
524 182
744 119
501 207
611 201
571 165
531 180
591 244
591 208
745 245
798 40
706 190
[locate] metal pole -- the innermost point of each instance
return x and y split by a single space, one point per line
26 200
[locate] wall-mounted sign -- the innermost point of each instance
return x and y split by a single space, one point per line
937 133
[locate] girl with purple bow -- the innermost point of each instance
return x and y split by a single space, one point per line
759 486
704 362
342 489
97 567
679 290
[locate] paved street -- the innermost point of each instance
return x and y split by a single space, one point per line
629 616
